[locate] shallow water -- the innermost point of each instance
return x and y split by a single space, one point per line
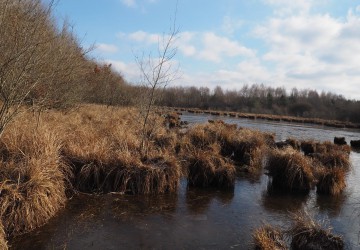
201 219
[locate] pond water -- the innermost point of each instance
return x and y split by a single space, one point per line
201 219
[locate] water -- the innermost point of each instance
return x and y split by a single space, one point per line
201 219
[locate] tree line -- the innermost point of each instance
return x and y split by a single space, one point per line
43 65
266 100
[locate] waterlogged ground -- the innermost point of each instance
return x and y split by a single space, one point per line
201 219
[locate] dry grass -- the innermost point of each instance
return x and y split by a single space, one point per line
309 234
130 174
334 159
269 238
308 147
94 148
290 170
3 242
32 176
331 181
245 147
107 158
206 168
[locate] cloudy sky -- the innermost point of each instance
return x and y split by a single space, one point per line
299 43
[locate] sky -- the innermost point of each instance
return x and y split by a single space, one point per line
307 44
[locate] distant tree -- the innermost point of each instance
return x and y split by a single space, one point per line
298 109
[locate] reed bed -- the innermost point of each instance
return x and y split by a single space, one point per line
306 233
290 170
268 237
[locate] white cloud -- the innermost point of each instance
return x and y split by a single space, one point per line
314 51
138 4
286 7
129 3
107 48
215 48
142 36
130 71
201 45
230 25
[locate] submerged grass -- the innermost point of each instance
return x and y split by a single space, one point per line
306 233
303 233
268 237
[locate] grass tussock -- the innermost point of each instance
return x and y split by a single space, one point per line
269 238
33 177
308 147
290 170
334 159
309 234
107 158
245 147
331 181
208 169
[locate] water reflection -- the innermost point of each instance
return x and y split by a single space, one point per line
331 205
144 205
282 201
199 200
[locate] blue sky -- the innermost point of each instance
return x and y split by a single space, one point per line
300 43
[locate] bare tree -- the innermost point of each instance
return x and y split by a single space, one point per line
156 72
37 60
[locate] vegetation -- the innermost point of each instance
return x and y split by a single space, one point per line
261 99
309 234
269 238
290 170
304 233
3 242
33 176
48 151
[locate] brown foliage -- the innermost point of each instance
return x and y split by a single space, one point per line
331 181
308 234
290 169
3 242
206 168
32 177
269 238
